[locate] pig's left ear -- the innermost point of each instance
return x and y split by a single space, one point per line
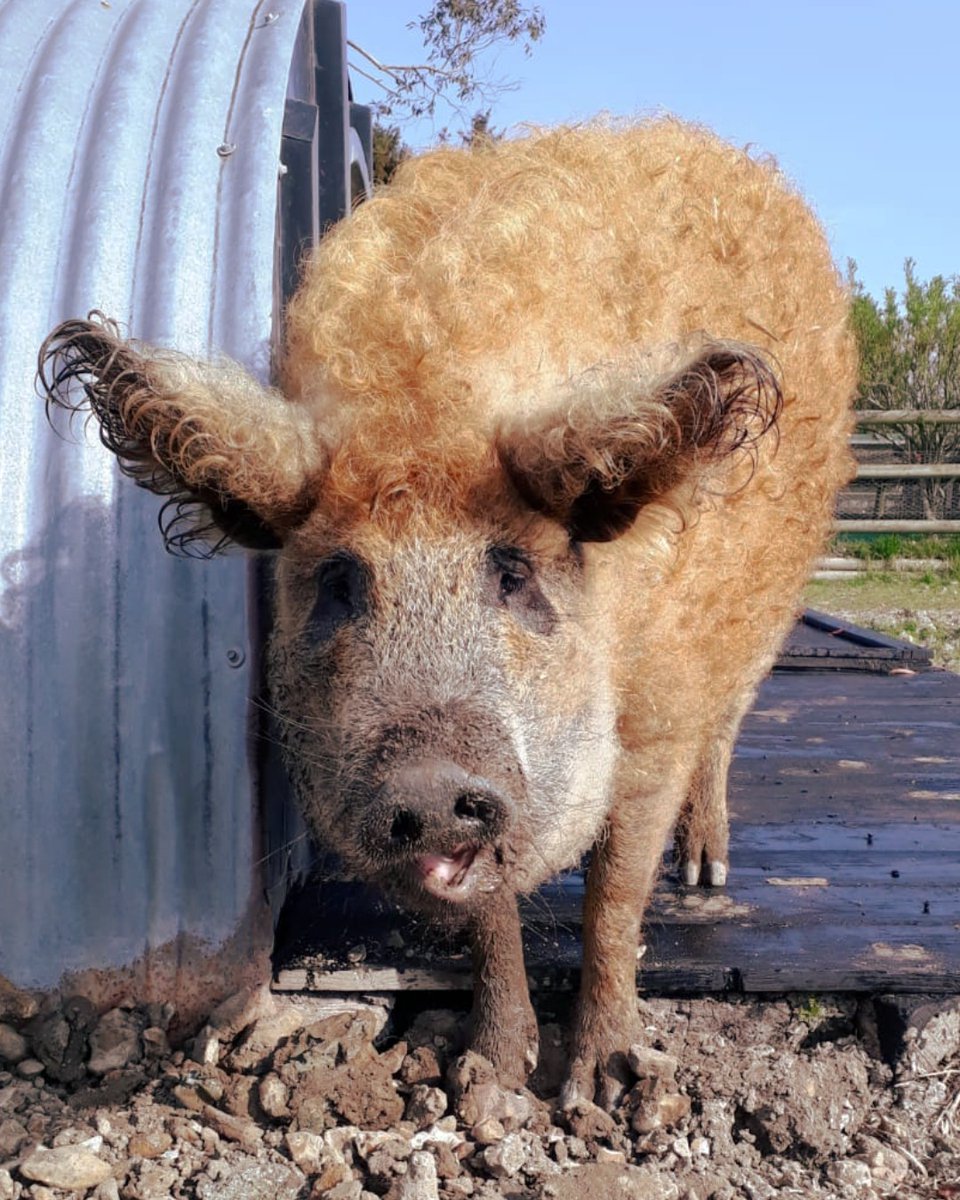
616 442
238 463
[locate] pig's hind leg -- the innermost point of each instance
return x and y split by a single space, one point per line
702 835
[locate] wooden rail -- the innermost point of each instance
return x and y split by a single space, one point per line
908 416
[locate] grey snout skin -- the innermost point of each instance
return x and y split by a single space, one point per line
433 804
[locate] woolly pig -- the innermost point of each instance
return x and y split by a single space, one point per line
559 431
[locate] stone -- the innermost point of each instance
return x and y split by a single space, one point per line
420 1181
306 1149
660 1113
156 1044
30 1068
149 1145
206 1047
421 1065
6 1185
114 1042
425 1105
12 1136
487 1131
350 1189
477 1095
60 1038
849 1173
16 1003
66 1167
108 1190
13 1045
646 1063
505 1158
274 1096
253 1180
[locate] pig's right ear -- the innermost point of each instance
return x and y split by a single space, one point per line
239 463
623 435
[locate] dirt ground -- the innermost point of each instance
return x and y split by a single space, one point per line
283 1099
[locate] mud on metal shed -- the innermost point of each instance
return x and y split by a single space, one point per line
165 163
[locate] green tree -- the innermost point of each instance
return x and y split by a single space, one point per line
910 359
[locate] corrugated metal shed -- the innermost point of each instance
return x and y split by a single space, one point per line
139 158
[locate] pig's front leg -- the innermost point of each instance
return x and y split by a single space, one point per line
622 871
504 1025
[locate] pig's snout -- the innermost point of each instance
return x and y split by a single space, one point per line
441 825
433 801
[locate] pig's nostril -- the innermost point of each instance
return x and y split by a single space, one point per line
406 827
472 806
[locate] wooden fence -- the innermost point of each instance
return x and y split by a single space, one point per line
899 473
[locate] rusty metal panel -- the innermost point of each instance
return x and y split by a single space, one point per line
138 174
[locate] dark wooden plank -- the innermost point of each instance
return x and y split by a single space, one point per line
820 641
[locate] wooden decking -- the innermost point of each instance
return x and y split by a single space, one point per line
845 866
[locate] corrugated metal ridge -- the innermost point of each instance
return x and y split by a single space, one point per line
127 804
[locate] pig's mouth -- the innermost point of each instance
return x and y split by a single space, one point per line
451 876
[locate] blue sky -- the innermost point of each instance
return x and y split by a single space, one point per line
859 100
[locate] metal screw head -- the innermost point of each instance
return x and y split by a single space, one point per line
236 657
225 149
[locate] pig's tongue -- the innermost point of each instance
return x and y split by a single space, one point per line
444 871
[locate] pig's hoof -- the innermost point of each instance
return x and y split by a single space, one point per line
513 1052
595 1079
700 870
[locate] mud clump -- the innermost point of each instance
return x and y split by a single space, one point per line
301 1098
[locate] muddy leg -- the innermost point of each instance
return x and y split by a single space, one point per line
504 1025
622 872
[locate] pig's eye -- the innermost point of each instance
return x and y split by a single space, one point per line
512 585
341 595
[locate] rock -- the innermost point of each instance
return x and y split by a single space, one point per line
149 1145
30 1068
505 1158
114 1042
12 1136
306 1149
392 1059
647 1063
15 1003
235 1129
253 1180
888 1168
152 1181
206 1047
13 1045
421 1066
108 1190
425 1105
477 1095
661 1113
156 1044
289 1017
848 1173
350 1189
67 1167
274 1096
487 1131
606 1155
6 1185
588 1121
60 1037
420 1181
